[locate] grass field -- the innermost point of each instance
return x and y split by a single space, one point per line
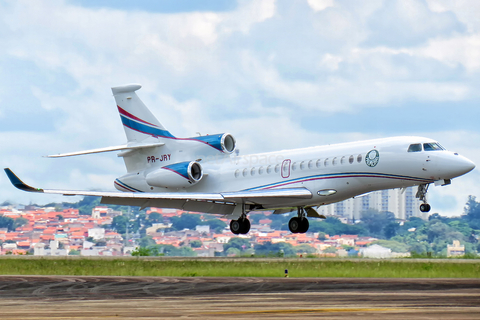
241 267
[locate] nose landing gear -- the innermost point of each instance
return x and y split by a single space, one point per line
422 195
299 224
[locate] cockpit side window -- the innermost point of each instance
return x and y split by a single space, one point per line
432 146
417 147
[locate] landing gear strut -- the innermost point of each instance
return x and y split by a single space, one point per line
422 195
299 224
242 225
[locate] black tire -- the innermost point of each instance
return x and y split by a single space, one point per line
245 226
235 226
304 224
425 207
294 225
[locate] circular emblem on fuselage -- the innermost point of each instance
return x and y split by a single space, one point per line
372 158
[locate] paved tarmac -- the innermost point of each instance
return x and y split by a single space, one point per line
71 297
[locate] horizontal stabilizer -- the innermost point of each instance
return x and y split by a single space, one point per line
108 149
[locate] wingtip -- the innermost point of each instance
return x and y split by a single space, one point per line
19 184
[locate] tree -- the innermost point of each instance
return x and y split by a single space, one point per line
375 221
119 223
280 249
238 243
196 244
155 217
141 252
391 229
185 221
147 241
19 222
7 222
330 250
232 252
304 248
74 252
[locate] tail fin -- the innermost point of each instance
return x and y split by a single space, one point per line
139 123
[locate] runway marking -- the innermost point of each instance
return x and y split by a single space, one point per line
320 310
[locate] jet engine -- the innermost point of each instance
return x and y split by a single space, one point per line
177 175
223 142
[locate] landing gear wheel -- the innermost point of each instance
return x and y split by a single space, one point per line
425 207
304 224
294 225
240 226
235 226
245 226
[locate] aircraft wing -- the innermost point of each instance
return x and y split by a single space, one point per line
141 198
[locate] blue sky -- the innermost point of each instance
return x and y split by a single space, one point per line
276 74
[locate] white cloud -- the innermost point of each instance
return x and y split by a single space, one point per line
319 5
463 50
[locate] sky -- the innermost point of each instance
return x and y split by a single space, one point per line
276 74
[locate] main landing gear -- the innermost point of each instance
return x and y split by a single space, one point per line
299 224
422 195
242 225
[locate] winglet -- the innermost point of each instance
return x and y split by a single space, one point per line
19 183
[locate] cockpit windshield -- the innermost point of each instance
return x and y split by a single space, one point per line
417 147
431 146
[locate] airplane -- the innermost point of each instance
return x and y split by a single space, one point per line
206 174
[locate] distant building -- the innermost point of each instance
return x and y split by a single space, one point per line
455 249
402 204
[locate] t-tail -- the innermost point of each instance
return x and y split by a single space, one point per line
139 123
150 145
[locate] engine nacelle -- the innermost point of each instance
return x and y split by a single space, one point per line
177 175
223 142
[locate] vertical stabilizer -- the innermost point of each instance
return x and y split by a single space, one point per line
139 123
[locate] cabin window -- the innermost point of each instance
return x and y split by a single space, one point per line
269 169
433 146
351 159
325 163
319 163
252 172
310 164
359 158
245 172
277 168
335 161
416 147
343 160
237 173
303 165
260 170
294 166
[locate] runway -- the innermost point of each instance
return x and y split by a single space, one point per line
71 297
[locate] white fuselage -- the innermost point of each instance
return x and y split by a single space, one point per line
332 173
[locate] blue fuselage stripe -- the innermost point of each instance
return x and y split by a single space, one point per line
340 176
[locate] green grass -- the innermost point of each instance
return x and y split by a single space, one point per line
241 268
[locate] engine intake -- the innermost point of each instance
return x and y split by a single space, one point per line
177 175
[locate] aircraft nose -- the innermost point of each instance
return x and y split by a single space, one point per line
463 165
